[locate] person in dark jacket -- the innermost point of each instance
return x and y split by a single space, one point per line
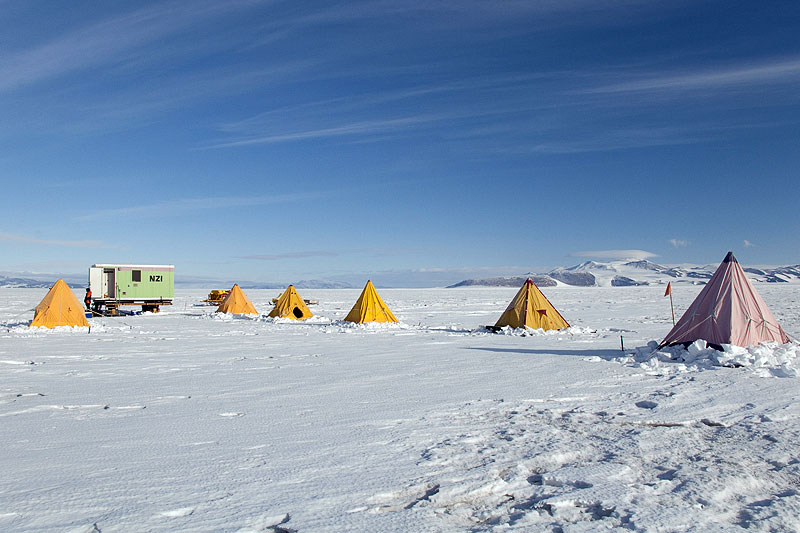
88 298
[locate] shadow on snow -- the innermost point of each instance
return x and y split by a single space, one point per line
604 354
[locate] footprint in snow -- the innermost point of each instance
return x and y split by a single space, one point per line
91 528
268 523
646 404
406 498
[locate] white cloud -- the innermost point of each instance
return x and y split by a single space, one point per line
374 252
748 244
775 71
604 144
106 41
290 255
614 254
182 205
337 122
10 237
358 128
365 116
679 243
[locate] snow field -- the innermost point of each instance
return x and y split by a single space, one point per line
187 420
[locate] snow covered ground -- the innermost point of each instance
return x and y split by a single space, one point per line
186 421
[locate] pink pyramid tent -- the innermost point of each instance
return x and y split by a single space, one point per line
727 311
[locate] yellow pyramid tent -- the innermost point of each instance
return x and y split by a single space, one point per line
237 303
59 307
370 308
530 308
290 305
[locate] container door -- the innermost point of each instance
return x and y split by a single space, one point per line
96 282
110 284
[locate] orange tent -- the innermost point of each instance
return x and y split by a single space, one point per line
290 305
531 309
59 307
370 308
237 303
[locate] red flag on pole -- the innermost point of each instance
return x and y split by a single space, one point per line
669 289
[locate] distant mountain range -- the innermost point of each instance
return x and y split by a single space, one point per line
39 280
630 273
587 274
24 283
302 284
42 283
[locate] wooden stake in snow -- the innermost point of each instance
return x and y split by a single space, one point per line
669 291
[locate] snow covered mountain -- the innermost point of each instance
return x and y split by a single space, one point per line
509 281
633 273
586 274
17 282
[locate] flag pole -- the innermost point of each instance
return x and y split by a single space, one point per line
669 291
672 308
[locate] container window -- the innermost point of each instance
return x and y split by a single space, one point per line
136 276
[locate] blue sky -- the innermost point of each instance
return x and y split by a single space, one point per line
414 143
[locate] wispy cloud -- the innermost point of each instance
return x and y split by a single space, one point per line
356 128
602 143
748 244
376 252
10 237
497 110
444 14
346 105
335 118
106 41
179 206
614 254
116 39
140 104
290 255
689 133
768 72
679 243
